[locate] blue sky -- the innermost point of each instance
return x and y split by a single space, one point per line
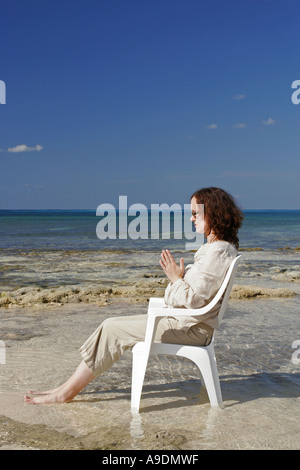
149 99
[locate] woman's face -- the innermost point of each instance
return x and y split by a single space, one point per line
198 216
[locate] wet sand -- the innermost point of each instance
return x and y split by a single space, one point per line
259 381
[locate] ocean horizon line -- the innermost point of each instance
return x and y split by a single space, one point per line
123 210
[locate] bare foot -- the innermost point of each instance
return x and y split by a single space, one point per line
66 392
45 399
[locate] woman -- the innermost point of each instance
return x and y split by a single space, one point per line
190 287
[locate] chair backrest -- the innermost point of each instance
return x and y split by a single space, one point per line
222 294
226 287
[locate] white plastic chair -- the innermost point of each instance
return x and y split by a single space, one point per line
202 356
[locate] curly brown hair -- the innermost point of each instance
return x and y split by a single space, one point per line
222 214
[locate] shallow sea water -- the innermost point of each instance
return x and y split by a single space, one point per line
259 381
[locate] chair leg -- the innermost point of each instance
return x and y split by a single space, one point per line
204 358
209 371
139 365
140 354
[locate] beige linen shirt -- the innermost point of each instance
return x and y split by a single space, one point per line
201 282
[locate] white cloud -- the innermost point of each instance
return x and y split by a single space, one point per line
240 125
24 148
239 97
269 122
212 126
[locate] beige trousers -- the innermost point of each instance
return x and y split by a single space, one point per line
117 334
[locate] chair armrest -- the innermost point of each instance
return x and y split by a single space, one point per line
161 309
177 312
154 314
156 302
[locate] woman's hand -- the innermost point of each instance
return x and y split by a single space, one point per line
171 269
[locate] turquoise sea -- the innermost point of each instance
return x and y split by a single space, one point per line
61 247
54 248
76 230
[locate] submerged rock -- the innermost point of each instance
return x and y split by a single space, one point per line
99 294
248 292
136 292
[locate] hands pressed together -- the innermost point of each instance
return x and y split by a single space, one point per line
171 269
